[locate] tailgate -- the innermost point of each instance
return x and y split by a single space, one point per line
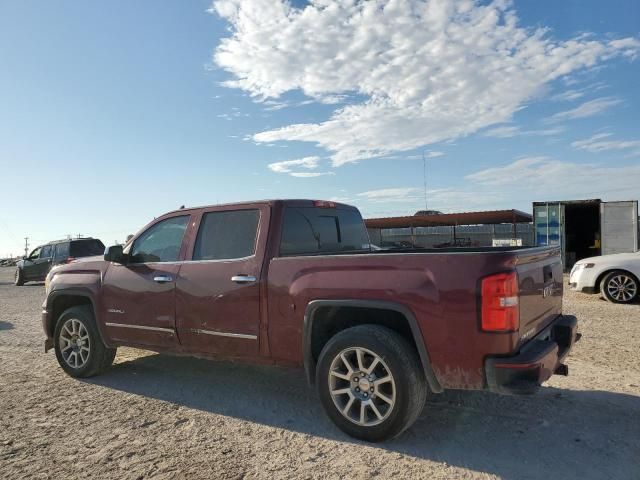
540 289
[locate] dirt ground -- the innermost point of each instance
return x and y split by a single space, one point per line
153 416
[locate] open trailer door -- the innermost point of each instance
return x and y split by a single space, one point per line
619 227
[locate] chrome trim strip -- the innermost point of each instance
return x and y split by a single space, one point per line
541 250
220 260
181 262
225 334
140 327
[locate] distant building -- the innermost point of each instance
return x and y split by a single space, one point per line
427 212
440 230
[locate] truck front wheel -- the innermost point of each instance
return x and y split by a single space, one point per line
370 382
79 348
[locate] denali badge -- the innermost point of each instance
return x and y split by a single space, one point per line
528 334
114 310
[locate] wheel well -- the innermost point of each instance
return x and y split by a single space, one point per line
607 272
61 303
328 321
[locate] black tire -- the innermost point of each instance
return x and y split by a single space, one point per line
99 356
19 277
609 287
399 358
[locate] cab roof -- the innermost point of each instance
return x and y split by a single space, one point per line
292 202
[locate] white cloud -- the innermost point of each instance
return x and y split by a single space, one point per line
274 105
286 166
576 94
569 95
544 178
587 109
386 195
514 185
408 200
427 154
339 199
517 171
601 143
422 72
310 174
235 114
509 131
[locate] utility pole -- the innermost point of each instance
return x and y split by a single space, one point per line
26 246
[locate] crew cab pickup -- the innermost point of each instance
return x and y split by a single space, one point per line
296 282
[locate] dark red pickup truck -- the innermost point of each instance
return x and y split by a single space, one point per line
295 282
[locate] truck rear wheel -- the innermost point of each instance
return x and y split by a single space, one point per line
79 348
370 382
619 287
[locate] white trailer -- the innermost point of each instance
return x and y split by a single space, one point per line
587 228
619 227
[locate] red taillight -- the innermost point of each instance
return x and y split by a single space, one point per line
500 311
69 259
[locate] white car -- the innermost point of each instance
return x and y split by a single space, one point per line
616 277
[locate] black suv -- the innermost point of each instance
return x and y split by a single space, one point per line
36 266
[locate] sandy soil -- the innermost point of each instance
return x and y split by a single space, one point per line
152 416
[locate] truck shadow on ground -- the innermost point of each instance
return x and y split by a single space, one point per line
556 433
5 325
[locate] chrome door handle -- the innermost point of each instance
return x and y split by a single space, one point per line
163 279
243 279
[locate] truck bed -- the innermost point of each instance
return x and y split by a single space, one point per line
439 286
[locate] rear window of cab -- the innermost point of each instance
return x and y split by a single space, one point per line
313 231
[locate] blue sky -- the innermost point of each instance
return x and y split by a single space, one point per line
113 113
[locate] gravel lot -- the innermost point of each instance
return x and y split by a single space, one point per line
153 416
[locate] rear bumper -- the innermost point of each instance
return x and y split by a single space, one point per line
537 360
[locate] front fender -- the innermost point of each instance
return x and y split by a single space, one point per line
85 284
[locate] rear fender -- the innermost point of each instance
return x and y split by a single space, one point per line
310 317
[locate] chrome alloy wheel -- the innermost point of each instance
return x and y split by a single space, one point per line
622 288
74 343
362 387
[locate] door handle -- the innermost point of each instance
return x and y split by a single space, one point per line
243 279
163 279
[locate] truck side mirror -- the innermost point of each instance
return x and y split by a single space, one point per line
114 254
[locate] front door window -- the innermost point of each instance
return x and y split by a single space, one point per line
161 242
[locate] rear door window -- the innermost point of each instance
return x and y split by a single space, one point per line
227 235
311 230
62 250
86 248
161 242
